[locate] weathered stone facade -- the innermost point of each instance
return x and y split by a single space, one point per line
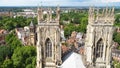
48 40
99 38
32 37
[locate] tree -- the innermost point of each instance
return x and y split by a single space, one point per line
24 57
16 55
69 28
9 23
13 42
4 53
116 64
7 64
83 25
117 20
117 37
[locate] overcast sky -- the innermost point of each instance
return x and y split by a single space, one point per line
60 2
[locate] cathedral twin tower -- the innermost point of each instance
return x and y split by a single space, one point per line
97 45
48 40
99 38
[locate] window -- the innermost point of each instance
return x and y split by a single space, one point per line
48 48
99 48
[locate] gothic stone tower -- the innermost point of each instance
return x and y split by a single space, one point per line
99 38
48 40
32 37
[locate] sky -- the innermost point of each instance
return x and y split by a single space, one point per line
60 2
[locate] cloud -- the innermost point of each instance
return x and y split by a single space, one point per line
18 2
110 1
44 2
56 2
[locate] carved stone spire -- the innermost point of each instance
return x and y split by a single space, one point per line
98 11
112 12
58 13
113 9
40 14
50 14
93 10
112 15
90 9
106 15
103 12
91 15
109 12
97 15
106 11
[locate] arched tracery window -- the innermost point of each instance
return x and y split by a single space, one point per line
99 48
48 47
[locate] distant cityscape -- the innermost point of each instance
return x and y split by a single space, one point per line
56 36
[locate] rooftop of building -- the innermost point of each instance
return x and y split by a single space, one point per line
73 60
